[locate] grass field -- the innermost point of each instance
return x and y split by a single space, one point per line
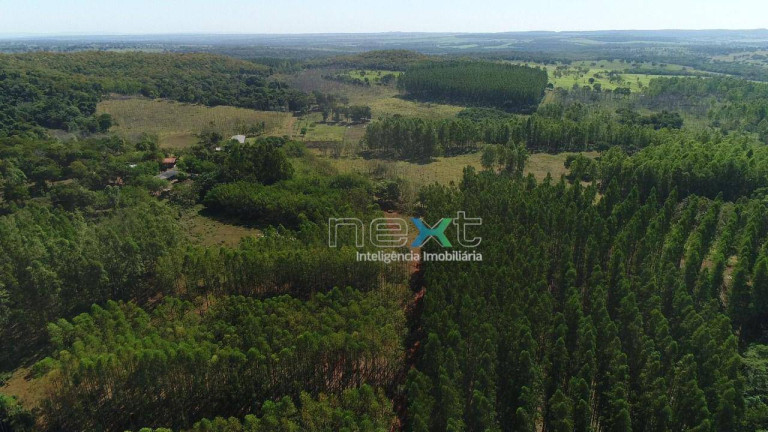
318 131
396 105
444 170
580 72
374 76
383 100
634 82
176 123
212 232
758 57
620 65
541 164
30 392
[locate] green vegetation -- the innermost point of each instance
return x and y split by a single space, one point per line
709 166
362 77
357 409
414 138
64 263
554 128
592 318
30 102
156 275
609 75
195 78
238 354
292 202
508 87
729 104
383 100
383 60
360 409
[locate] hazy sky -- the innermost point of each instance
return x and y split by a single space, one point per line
354 16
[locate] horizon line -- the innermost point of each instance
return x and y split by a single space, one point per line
141 34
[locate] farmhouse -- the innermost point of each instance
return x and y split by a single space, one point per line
238 138
169 162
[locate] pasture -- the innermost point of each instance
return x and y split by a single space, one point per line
444 170
609 74
176 124
207 231
383 100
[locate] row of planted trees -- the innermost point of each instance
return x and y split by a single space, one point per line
419 139
182 363
610 314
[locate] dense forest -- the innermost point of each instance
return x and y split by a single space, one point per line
238 353
617 315
391 60
503 86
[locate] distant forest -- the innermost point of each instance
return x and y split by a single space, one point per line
507 87
60 91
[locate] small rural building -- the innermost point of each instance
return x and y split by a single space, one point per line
169 162
239 138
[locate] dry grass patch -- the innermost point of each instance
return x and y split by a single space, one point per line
383 100
541 164
444 170
207 231
441 170
30 392
177 123
427 110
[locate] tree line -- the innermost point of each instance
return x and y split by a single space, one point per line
554 129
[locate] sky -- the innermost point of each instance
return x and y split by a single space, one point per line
89 17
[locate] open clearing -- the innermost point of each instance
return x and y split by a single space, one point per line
207 231
374 76
580 73
541 164
383 100
176 123
30 392
444 170
319 131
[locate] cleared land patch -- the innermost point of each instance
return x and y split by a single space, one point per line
383 100
444 170
207 231
176 123
609 74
